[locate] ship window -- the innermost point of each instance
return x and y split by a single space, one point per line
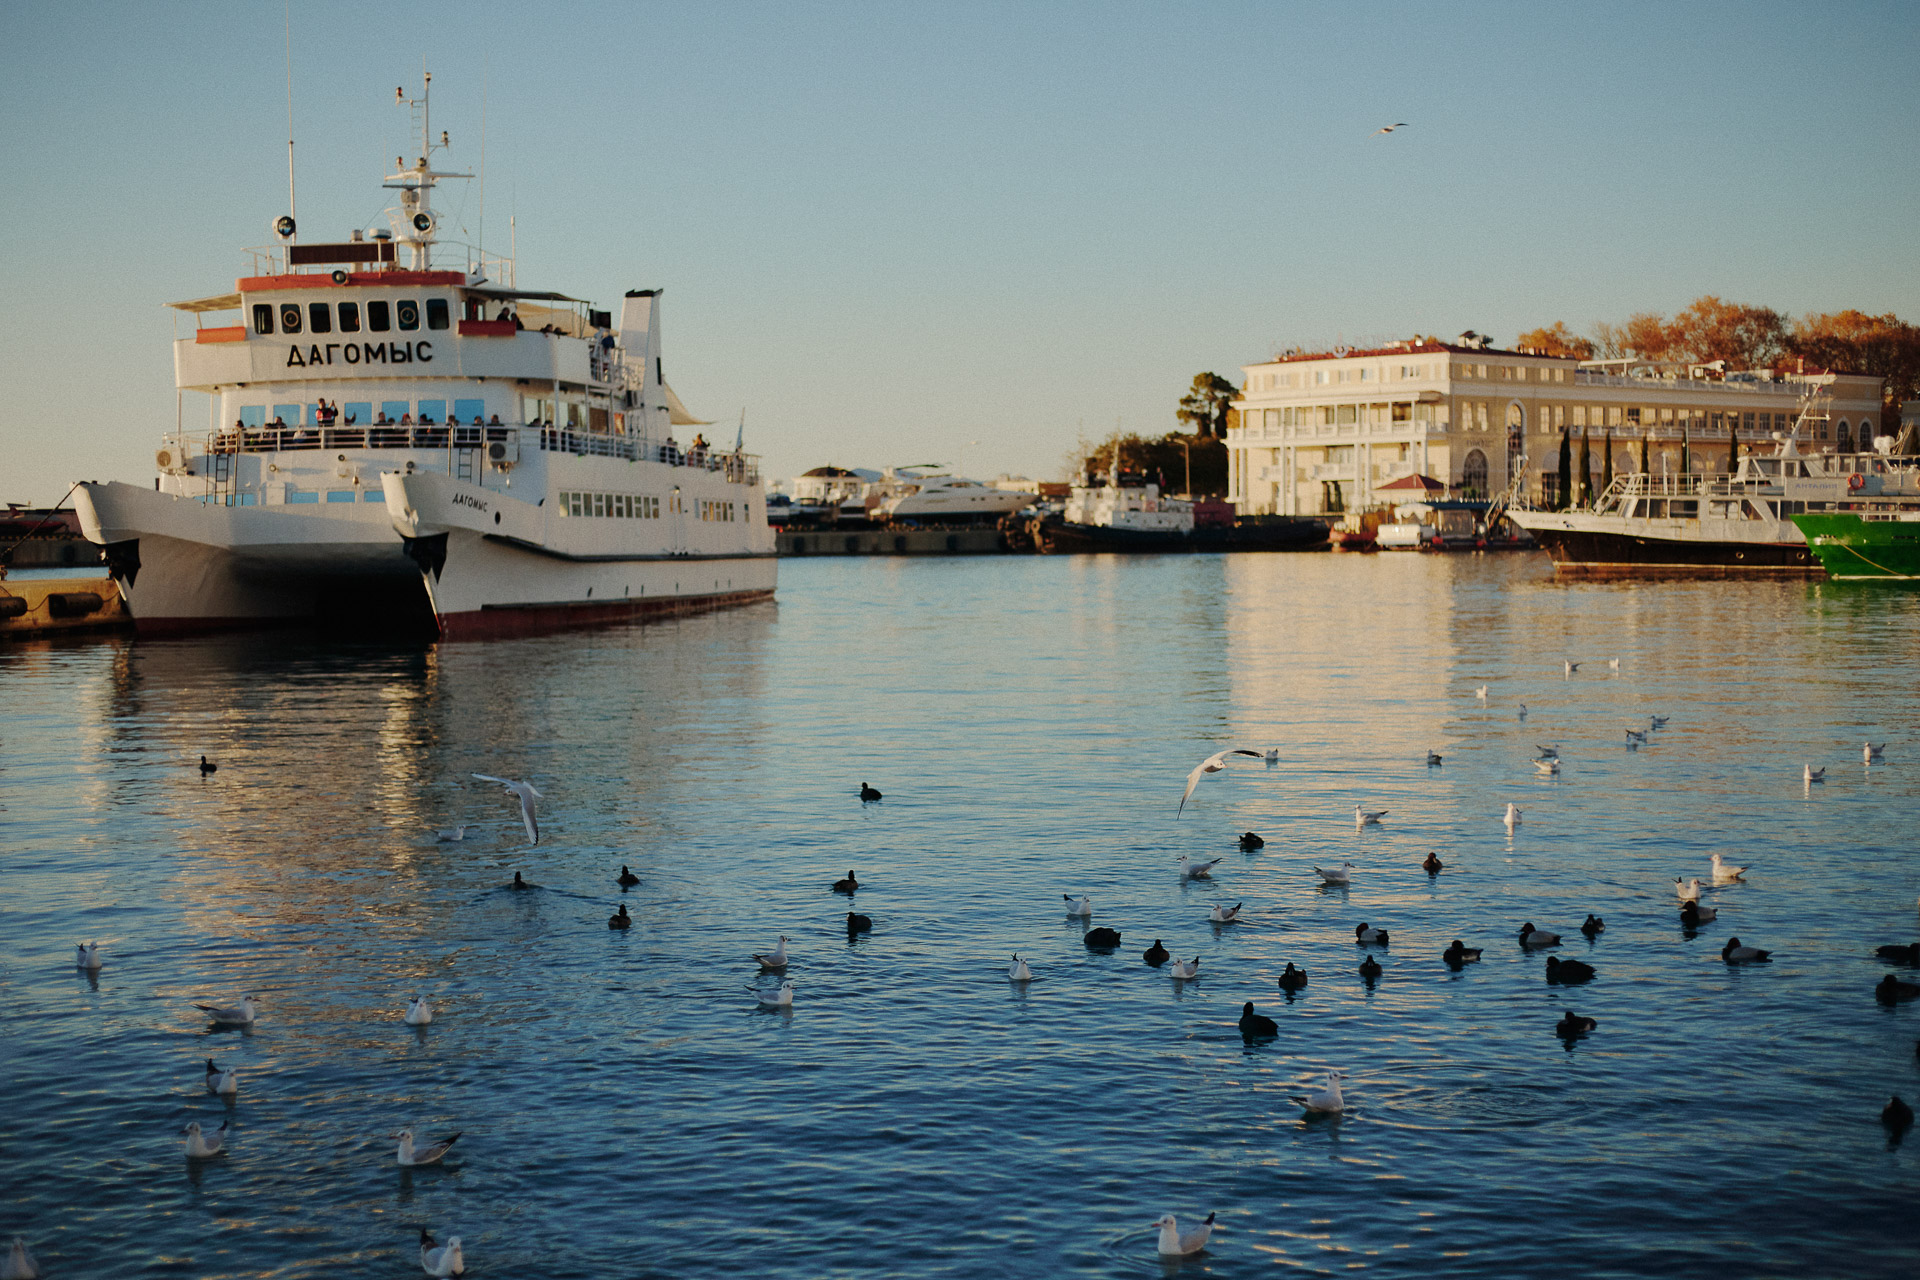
468 410
253 415
431 411
320 317
356 413
407 312
288 413
375 495
289 317
436 313
302 495
340 495
393 410
262 318
349 317
377 319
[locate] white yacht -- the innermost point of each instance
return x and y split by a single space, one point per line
942 499
399 432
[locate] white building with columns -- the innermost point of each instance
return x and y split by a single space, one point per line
1320 432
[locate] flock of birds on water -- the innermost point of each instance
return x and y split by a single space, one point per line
442 1260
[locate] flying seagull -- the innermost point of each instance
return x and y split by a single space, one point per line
527 795
1212 764
1389 129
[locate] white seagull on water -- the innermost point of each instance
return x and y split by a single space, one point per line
1212 764
1481 693
1018 971
87 957
1725 872
1810 774
419 1012
779 998
443 1261
1513 816
1175 1243
1571 667
1870 753
412 1157
1224 915
776 959
1191 870
1082 908
1184 970
1547 764
1327 1101
19 1264
1367 817
527 795
222 1084
1688 890
1342 874
232 1015
200 1146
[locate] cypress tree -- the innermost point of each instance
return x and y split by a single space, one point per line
1733 449
1686 463
1646 468
1566 470
1586 467
1606 473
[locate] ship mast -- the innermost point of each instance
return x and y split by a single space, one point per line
415 223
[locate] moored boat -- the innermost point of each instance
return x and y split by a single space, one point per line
1874 534
399 434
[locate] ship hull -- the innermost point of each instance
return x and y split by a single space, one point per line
1599 546
1059 537
1856 550
186 567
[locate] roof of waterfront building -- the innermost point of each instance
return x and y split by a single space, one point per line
1410 347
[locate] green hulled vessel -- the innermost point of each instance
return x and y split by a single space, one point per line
1879 543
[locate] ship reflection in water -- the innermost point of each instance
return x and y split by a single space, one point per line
1030 721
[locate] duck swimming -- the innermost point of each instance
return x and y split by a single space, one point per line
1568 971
1898 954
627 878
1293 979
1250 842
848 885
1370 968
1532 937
1692 914
1734 953
1101 939
518 883
1155 955
1459 954
1896 1115
1574 1025
1368 936
1593 927
1254 1024
620 919
1432 864
868 795
1890 989
857 923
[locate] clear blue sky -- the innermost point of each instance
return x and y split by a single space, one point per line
889 230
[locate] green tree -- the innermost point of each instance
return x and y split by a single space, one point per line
1164 459
1204 407
1733 448
1586 467
1646 466
1606 471
1565 476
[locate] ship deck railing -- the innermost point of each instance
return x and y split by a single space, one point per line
737 467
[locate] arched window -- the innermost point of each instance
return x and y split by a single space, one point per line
1473 473
1844 439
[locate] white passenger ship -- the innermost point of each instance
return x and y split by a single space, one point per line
399 433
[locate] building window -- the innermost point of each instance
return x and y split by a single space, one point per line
1473 473
1326 415
1579 415
1844 437
1747 423
1319 377
1366 374
1402 411
262 317
1480 415
1346 415
1633 416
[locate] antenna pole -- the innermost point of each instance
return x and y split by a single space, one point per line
292 210
485 75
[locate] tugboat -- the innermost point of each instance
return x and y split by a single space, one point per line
400 434
1129 513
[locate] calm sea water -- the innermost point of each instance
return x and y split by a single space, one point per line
626 1110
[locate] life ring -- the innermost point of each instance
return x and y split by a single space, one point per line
1856 482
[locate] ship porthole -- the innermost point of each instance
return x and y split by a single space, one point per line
496 517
